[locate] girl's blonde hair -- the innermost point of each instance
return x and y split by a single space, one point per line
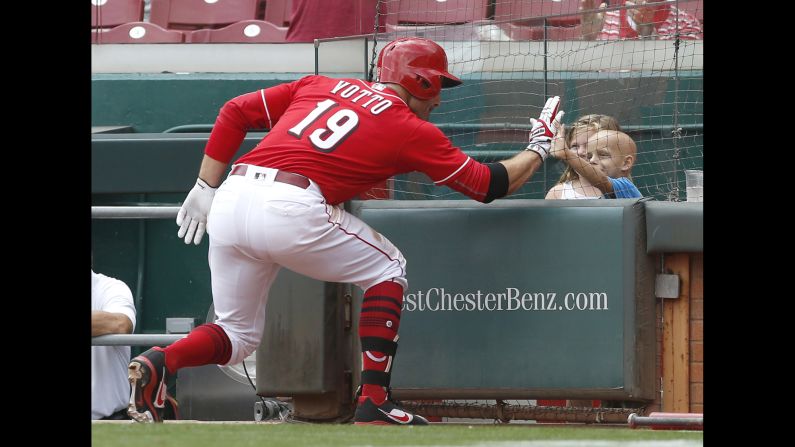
593 123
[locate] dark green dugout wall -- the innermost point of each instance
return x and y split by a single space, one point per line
522 298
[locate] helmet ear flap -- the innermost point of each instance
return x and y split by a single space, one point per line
427 84
423 83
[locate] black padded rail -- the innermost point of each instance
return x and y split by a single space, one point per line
674 227
150 162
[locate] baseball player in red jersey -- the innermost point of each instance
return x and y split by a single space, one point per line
281 206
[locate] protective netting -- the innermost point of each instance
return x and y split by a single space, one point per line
513 54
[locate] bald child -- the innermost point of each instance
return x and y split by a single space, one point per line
607 165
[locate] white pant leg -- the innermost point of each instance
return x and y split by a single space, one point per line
240 279
240 294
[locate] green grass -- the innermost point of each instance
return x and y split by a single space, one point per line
275 435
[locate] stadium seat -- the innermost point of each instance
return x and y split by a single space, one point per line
136 32
433 12
246 31
198 14
121 21
524 11
279 12
111 13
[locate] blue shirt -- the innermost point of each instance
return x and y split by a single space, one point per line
623 188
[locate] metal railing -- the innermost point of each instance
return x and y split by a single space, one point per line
134 212
135 339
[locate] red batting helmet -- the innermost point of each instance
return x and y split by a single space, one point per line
419 65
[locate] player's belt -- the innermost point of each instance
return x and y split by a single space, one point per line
281 176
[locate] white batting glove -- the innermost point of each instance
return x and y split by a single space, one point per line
192 216
545 128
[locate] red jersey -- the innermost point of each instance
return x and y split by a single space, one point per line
347 135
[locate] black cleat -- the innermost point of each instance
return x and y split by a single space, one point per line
388 413
149 398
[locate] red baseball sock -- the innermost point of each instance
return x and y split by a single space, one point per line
378 327
205 345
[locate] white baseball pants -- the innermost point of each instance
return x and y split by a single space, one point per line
257 225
